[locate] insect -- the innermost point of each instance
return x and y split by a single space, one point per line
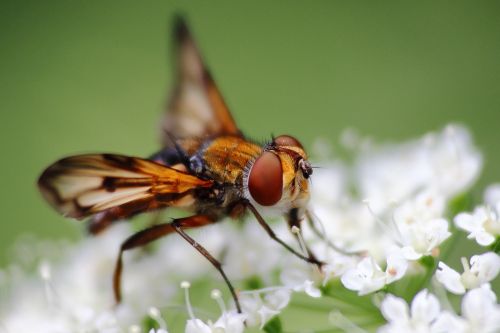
206 166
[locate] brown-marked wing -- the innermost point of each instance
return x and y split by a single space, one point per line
80 186
197 108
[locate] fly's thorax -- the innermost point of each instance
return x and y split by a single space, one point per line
225 158
278 177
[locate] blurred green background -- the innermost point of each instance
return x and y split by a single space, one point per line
81 76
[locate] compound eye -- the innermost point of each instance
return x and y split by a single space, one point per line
265 181
287 140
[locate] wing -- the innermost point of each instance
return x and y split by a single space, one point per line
197 108
84 185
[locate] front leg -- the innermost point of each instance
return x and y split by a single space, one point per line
271 234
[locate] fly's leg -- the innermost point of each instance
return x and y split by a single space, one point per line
139 239
213 261
160 230
271 234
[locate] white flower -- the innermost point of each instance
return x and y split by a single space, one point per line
396 267
425 205
425 310
480 310
258 311
483 268
389 173
449 322
298 275
278 299
421 174
422 239
197 326
160 330
367 276
229 322
419 225
480 313
447 160
483 224
454 161
73 295
336 264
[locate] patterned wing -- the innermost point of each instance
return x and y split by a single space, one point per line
197 108
84 185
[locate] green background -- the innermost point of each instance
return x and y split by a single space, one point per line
84 76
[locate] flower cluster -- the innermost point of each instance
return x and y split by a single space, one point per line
479 313
380 219
483 224
400 201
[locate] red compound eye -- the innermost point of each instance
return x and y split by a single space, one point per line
287 140
265 181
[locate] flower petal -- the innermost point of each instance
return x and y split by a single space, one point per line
486 266
265 314
484 238
449 278
311 289
448 322
279 299
410 253
424 307
230 322
352 279
481 311
395 309
197 326
465 221
396 267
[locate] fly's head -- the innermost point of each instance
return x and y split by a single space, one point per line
280 175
